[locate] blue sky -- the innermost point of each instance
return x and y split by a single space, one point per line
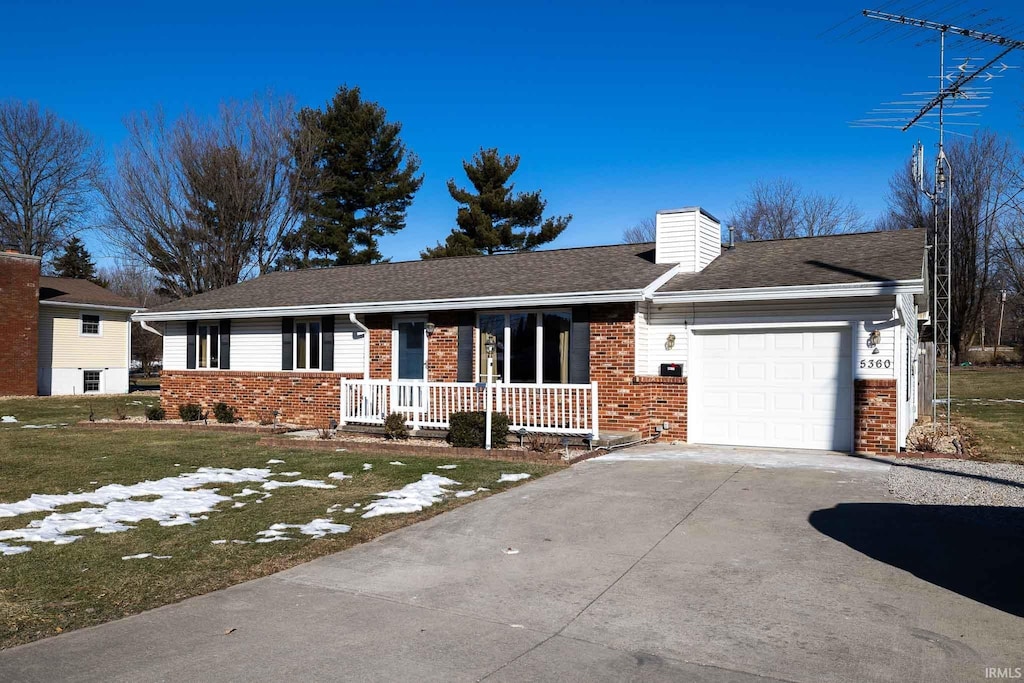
617 109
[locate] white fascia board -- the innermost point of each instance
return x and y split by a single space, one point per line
650 289
470 303
797 292
92 307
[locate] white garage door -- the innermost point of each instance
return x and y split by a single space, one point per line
778 388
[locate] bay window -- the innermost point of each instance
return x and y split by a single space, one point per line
524 347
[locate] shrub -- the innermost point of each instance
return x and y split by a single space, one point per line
467 429
190 412
224 413
155 413
394 427
120 412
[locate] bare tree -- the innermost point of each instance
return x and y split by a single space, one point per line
644 231
48 170
206 203
906 203
140 284
779 209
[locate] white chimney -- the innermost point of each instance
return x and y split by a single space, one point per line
691 237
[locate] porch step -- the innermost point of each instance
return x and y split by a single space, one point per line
615 439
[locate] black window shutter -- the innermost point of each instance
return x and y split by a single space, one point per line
190 344
579 346
466 330
287 335
327 343
225 344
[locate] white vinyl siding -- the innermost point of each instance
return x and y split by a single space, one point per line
675 237
709 241
640 346
679 319
908 366
256 345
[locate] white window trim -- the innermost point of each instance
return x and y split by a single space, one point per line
295 344
99 371
506 369
199 346
81 322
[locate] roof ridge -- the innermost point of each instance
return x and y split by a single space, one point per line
835 234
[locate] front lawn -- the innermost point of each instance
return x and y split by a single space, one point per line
52 588
990 401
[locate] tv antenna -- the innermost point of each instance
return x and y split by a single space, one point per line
958 97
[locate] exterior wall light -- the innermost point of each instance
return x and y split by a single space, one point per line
429 328
670 342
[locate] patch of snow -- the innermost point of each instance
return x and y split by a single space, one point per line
13 549
288 474
241 542
178 500
367 466
411 497
177 464
349 510
219 541
275 461
308 483
446 467
47 426
340 476
162 557
470 492
318 528
513 477
510 551
237 506
246 492
397 462
9 419
140 556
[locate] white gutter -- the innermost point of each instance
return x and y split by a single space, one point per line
467 303
97 307
793 292
366 347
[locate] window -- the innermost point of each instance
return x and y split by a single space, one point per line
526 347
307 345
90 323
208 346
91 381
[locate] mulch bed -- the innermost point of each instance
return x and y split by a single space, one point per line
186 426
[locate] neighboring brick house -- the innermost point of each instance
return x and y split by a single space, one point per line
60 335
801 343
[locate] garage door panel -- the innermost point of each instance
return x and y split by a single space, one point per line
784 388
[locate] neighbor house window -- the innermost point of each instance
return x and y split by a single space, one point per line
208 346
307 345
91 381
90 323
528 346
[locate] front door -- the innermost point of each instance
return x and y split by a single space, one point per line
411 362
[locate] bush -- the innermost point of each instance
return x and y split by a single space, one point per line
394 427
467 429
224 413
155 413
190 412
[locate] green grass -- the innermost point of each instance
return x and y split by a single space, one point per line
997 424
56 588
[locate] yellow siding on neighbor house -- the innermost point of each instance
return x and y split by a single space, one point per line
61 345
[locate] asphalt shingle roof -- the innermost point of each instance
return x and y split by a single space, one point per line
865 257
833 259
69 290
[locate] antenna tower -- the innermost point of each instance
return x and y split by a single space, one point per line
952 86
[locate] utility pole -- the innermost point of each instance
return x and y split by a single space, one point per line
951 85
999 329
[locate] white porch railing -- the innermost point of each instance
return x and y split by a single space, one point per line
541 408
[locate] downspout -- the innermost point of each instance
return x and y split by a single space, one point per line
366 347
144 325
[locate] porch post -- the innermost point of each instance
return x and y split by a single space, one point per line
487 413
593 410
343 400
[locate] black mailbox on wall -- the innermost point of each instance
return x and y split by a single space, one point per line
671 369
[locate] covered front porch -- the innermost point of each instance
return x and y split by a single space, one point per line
563 409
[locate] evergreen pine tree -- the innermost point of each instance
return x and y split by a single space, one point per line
76 262
493 219
363 181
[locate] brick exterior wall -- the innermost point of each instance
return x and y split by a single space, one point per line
443 348
874 416
664 400
620 406
380 346
305 398
19 324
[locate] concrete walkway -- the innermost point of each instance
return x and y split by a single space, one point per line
667 565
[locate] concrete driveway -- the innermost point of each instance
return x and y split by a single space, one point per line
658 564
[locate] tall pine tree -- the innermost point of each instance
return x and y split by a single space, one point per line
492 219
362 182
76 262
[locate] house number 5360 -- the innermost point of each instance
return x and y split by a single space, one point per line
873 363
